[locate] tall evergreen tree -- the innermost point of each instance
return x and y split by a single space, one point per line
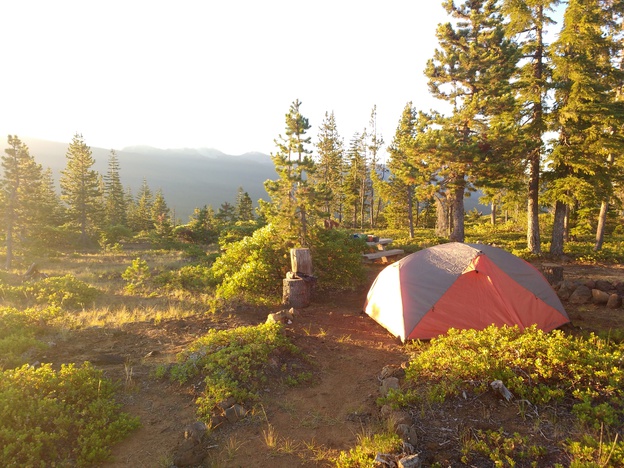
328 177
293 195
161 215
471 71
377 170
244 206
140 218
355 180
527 23
114 198
403 167
80 188
589 117
20 183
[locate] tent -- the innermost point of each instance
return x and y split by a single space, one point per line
461 286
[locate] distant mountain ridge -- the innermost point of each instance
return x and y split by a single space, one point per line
189 177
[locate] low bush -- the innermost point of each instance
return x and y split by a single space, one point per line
236 363
64 418
63 291
19 331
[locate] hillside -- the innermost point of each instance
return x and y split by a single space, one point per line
188 177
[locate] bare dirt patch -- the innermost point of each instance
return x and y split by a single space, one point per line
293 426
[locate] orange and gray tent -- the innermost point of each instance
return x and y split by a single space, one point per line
462 286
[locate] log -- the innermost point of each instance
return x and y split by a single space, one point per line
301 261
296 293
552 272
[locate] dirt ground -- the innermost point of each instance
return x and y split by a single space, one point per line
293 426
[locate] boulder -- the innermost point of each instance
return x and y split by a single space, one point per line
604 285
234 413
390 383
410 461
581 295
614 302
407 433
591 284
282 316
565 290
599 296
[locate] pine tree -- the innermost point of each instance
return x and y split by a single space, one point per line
140 218
161 215
527 24
114 197
20 184
470 70
405 169
589 117
292 195
355 179
80 188
244 206
377 170
203 225
328 177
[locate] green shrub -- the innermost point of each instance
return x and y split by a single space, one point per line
234 363
64 418
253 268
137 276
364 453
337 259
193 278
64 291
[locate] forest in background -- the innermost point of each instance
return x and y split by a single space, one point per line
528 121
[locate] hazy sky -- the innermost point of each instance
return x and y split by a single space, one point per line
217 74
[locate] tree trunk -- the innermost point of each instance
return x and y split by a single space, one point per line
602 221
533 231
556 245
410 210
493 213
441 227
457 235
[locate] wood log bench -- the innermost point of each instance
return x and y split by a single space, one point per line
383 254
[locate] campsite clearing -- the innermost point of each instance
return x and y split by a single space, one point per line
306 423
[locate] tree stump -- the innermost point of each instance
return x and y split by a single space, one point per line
552 272
296 293
299 283
301 261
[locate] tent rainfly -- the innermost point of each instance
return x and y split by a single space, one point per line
463 286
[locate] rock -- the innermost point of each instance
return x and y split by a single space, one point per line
581 295
619 287
225 404
407 433
392 371
411 461
234 413
390 383
599 296
282 316
566 288
399 418
604 285
591 284
614 302
195 431
189 456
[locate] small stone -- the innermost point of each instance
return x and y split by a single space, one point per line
411 461
407 433
604 285
614 302
391 383
581 295
398 418
566 288
195 431
599 296
234 413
